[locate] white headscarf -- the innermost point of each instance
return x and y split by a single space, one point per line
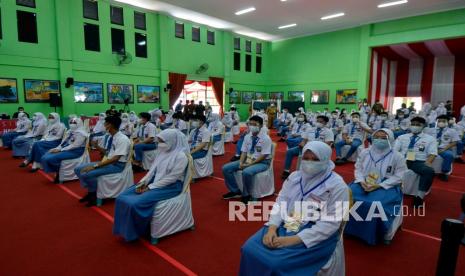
56 124
227 120
177 143
133 117
378 160
100 127
124 123
215 122
22 116
80 127
39 119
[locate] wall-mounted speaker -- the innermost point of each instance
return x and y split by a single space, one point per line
69 82
168 87
55 99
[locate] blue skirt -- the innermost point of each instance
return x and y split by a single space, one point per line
257 259
22 146
40 148
133 212
51 161
8 138
373 231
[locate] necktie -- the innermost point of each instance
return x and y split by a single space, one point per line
142 130
413 140
439 134
109 143
317 133
334 124
353 129
382 124
254 143
196 134
298 129
66 142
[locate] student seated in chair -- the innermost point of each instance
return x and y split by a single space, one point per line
294 240
145 139
51 139
126 127
134 207
99 129
447 139
299 128
378 176
318 133
23 124
419 149
199 138
283 122
22 144
73 146
255 158
215 127
117 154
352 135
179 123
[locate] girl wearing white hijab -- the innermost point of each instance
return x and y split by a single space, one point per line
99 128
378 175
51 139
134 207
133 117
293 243
22 144
126 127
72 146
168 120
22 126
216 127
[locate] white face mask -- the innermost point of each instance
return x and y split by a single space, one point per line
355 119
163 146
73 126
195 124
312 167
334 116
124 119
52 121
300 119
441 124
254 129
416 129
319 125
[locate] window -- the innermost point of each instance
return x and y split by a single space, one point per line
116 15
211 37
26 3
196 34
237 43
237 61
248 46
91 37
248 63
258 48
258 64
27 26
90 9
139 20
141 45
179 30
117 40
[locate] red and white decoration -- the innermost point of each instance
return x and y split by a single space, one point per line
433 70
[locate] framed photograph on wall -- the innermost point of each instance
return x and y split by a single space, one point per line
38 91
8 90
319 97
296 96
346 96
88 92
148 94
260 96
234 97
247 97
276 96
118 93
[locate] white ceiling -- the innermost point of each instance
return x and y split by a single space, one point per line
270 14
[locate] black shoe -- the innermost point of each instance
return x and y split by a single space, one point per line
285 174
23 165
231 195
459 160
418 202
33 170
443 177
340 161
234 158
57 179
282 140
85 198
136 168
245 199
234 142
92 200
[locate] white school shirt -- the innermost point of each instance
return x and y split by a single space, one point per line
285 117
263 146
424 146
119 146
23 126
448 136
325 135
333 193
378 124
203 137
394 170
146 131
216 128
235 116
303 128
38 130
355 131
55 133
74 139
179 124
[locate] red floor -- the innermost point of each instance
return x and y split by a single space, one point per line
45 231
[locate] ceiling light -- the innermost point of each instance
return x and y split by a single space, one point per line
287 26
388 4
251 9
333 16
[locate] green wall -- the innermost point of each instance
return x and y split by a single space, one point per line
336 60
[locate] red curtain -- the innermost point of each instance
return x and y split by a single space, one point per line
217 84
177 84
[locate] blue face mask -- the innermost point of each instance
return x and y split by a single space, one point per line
381 144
